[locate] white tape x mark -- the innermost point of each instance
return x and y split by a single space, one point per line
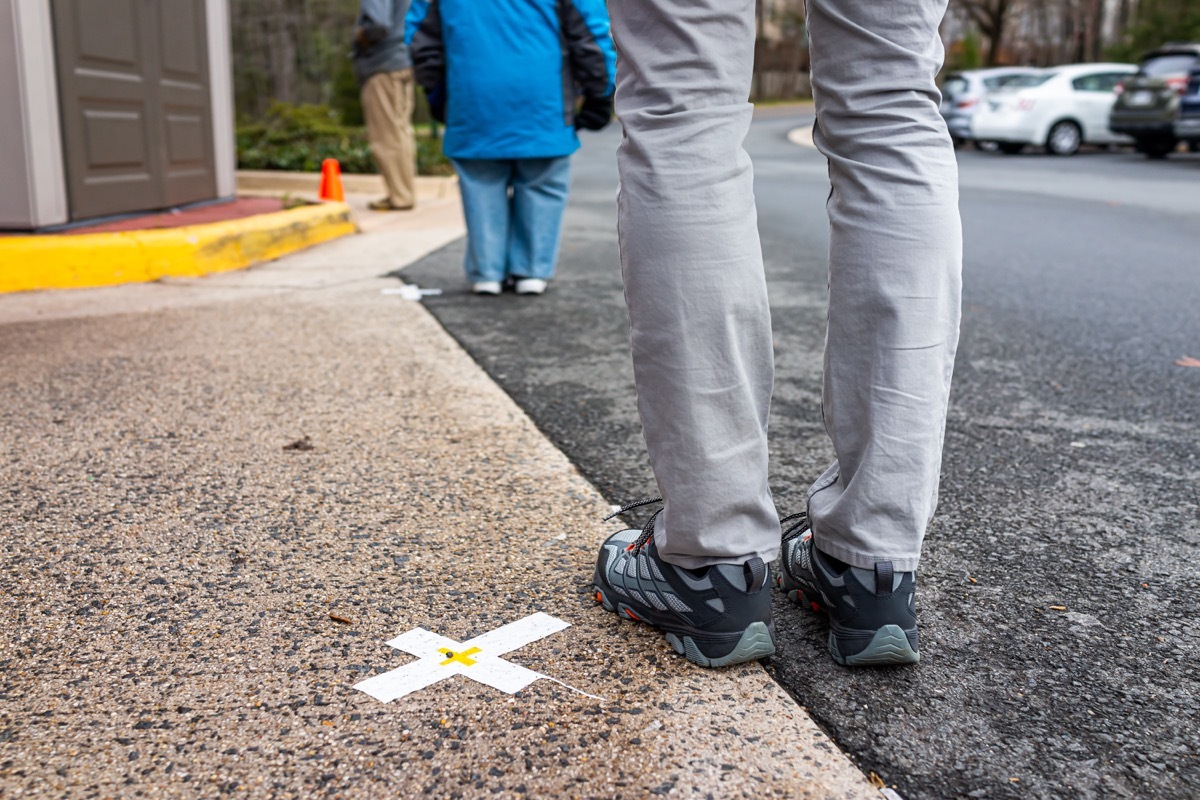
478 659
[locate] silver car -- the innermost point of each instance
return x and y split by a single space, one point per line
963 91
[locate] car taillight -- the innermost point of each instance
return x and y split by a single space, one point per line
1025 104
1178 83
966 103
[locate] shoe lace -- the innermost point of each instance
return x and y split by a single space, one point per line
647 529
799 524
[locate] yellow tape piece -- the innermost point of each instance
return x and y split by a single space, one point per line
462 658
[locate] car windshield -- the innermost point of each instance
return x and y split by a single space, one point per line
1026 81
955 85
1176 64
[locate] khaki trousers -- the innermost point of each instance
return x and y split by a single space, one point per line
387 101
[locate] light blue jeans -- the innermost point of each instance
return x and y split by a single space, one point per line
514 211
700 325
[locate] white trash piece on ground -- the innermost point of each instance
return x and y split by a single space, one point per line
410 291
890 794
478 659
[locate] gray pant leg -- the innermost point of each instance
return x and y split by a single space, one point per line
894 274
699 322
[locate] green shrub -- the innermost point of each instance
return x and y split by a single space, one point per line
1157 24
299 137
347 98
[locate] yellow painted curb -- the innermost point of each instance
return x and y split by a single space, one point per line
64 261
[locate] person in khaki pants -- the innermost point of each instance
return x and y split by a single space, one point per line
384 71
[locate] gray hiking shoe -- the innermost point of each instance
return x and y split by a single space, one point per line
872 613
714 617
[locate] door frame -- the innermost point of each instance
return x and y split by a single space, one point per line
35 184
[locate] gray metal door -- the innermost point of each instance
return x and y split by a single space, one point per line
184 102
136 113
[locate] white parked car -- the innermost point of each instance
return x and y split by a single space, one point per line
964 92
1059 108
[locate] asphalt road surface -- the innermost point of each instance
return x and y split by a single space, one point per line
1058 593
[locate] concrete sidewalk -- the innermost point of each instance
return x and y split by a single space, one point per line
225 495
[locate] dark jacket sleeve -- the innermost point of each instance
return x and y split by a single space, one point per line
583 39
427 49
373 19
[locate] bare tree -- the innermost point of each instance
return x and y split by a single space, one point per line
1086 21
290 50
780 50
1152 23
1049 32
992 18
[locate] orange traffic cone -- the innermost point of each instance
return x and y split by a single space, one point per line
331 181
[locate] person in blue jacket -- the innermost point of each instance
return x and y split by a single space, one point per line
513 80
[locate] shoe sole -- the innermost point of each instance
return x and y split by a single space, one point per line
754 643
889 645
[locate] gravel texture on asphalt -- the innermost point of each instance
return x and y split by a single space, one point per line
222 497
1058 590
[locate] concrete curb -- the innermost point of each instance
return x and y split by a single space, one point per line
251 181
103 259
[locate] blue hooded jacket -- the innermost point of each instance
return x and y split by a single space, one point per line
512 71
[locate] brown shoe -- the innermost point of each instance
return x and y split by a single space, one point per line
386 205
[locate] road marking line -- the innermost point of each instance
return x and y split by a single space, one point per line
802 136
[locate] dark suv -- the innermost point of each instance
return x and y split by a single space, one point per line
1148 102
1187 126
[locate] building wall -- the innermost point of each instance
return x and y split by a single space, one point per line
33 190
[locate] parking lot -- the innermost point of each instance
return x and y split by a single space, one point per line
227 495
1111 175
1057 602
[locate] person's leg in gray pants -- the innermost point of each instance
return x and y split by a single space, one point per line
699 322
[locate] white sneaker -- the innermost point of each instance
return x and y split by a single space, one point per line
486 287
531 286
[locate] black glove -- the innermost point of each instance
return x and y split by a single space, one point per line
369 33
595 113
436 98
